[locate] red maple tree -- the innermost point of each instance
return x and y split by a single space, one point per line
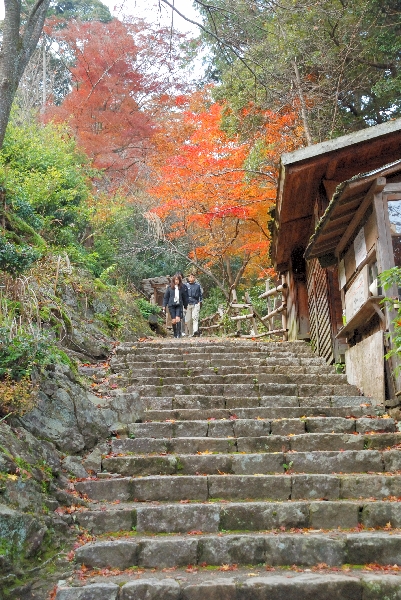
121 69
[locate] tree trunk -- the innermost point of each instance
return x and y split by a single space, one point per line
17 48
304 112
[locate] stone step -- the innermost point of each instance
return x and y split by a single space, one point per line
253 362
276 398
264 412
241 487
230 370
220 585
254 380
334 549
244 390
344 461
258 443
239 516
187 346
236 427
202 356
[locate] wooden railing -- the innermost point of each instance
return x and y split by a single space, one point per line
276 306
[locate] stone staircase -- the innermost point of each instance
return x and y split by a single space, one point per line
256 473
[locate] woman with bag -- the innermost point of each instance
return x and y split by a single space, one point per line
176 299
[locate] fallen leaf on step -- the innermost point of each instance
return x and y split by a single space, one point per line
228 567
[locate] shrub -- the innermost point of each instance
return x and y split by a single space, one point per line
146 308
17 397
15 259
21 351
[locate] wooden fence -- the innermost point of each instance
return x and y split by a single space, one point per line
276 298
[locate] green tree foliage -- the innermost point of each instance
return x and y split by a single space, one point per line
83 10
338 61
47 181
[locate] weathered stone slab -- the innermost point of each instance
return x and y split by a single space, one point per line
270 443
251 464
215 400
151 589
139 446
233 549
180 518
349 400
380 514
304 550
210 464
382 441
254 516
98 522
189 428
192 445
158 403
370 486
392 460
373 547
216 589
137 465
95 591
170 488
348 461
245 402
377 587
274 401
221 429
318 403
117 554
364 425
107 490
302 586
315 390
251 427
150 430
314 487
163 553
330 515
329 425
278 389
287 426
249 486
326 441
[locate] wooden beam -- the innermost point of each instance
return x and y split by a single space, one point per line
272 332
274 312
242 317
273 291
392 187
376 187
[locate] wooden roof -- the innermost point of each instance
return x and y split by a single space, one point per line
329 163
345 211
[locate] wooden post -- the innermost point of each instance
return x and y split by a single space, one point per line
249 301
234 300
284 319
268 302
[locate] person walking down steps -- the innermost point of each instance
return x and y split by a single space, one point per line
195 298
176 299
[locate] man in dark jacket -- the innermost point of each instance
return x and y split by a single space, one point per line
195 298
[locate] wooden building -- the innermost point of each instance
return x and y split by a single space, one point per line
337 225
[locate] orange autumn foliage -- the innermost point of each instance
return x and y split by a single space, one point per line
208 192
